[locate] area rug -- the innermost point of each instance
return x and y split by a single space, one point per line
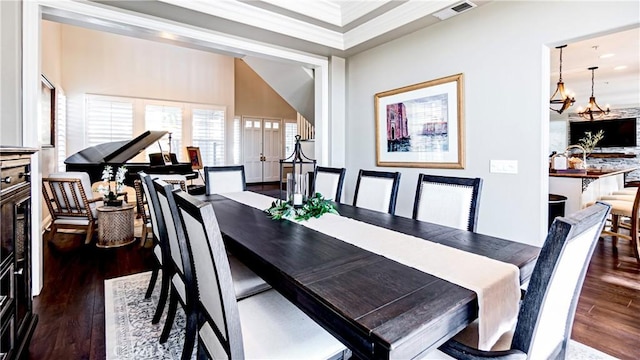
130 335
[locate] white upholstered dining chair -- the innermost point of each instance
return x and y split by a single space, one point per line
377 190
264 326
71 203
547 310
447 200
224 179
328 182
245 282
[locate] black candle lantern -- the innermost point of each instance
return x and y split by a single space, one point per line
297 180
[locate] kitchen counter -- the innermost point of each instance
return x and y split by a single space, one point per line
584 188
593 173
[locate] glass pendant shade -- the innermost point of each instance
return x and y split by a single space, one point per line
563 99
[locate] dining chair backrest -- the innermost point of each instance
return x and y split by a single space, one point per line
224 179
447 200
213 276
328 182
68 195
377 190
155 215
548 308
163 190
178 181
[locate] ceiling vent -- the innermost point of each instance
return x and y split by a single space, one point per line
454 10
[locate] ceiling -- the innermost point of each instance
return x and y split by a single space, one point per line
323 27
617 56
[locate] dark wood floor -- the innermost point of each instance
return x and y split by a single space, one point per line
71 305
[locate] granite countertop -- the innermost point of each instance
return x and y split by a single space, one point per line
593 173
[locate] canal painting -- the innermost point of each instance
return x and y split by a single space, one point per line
419 125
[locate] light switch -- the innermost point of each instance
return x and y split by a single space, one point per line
504 166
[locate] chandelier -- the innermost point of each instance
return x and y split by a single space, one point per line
564 99
593 109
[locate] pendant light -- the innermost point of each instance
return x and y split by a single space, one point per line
564 99
593 109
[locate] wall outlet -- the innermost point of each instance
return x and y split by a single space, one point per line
504 166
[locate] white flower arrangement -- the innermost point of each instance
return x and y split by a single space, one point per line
107 174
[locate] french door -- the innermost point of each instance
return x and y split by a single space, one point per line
262 149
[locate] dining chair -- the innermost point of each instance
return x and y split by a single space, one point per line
264 326
624 222
377 190
447 200
161 250
328 181
245 282
224 179
142 210
71 203
177 180
547 310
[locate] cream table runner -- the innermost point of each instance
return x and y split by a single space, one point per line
497 284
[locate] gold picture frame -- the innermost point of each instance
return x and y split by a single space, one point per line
195 157
421 125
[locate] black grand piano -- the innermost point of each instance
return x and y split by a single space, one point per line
93 159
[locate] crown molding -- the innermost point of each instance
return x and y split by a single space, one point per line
99 14
330 12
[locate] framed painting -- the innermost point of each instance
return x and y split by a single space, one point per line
421 125
166 158
195 157
47 130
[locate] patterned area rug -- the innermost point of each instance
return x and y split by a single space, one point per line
130 334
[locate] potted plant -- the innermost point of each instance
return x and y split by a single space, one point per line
110 198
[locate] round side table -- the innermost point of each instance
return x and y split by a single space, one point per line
115 226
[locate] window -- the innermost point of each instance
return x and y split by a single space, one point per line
290 132
236 141
61 128
166 118
108 119
111 118
208 134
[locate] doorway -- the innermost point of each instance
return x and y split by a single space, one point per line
262 149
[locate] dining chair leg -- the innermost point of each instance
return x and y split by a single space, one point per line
152 282
164 292
171 314
634 239
202 353
191 331
615 227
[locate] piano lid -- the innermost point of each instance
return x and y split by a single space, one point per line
116 152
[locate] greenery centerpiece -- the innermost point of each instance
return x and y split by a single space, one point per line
314 207
590 140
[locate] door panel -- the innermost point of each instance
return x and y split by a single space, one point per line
252 148
262 149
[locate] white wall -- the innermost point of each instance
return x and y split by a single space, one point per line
10 73
107 64
503 51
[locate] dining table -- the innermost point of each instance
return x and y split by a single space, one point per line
378 307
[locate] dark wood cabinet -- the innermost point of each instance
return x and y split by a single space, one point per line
17 319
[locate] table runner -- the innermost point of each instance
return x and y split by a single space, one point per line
496 283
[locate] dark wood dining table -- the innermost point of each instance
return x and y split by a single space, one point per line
377 307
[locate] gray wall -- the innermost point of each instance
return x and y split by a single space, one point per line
503 51
10 73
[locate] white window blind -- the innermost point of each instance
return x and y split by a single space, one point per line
108 120
208 135
166 118
290 132
61 128
236 141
